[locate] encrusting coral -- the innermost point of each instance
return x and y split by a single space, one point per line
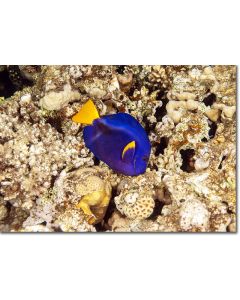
49 180
91 191
136 197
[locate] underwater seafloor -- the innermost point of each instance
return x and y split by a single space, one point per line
189 114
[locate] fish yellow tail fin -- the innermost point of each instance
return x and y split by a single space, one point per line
87 114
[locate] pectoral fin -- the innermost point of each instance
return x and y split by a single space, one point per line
128 152
87 114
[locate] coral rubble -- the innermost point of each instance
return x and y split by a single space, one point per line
50 182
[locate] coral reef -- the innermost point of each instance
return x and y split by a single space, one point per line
50 182
136 196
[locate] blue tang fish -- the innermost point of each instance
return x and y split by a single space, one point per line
118 140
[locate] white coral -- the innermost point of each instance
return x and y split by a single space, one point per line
57 100
194 216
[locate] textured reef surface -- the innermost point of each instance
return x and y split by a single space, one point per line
50 182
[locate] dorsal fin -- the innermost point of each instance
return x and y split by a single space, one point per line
87 114
128 152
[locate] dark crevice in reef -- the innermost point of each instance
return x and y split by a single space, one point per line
55 122
210 99
7 88
135 86
70 170
96 161
103 226
188 161
228 229
220 165
161 111
58 229
99 227
8 206
153 88
120 69
4 140
161 146
78 131
20 116
53 179
155 167
229 211
12 80
14 74
148 126
204 140
212 129
18 78
131 91
156 211
160 95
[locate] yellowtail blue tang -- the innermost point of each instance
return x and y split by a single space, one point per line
119 140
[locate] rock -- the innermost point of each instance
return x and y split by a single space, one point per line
90 191
125 81
194 216
57 100
3 212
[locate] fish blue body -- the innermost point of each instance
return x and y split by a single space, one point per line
119 140
107 137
